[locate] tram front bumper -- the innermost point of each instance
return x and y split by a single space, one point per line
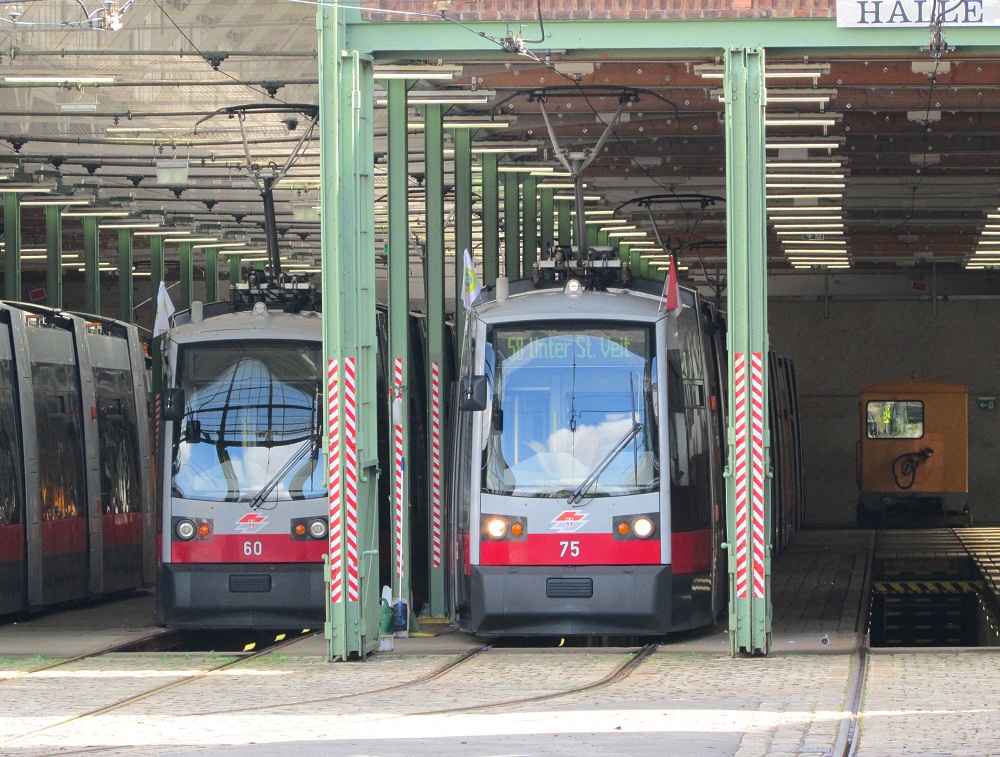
549 600
224 596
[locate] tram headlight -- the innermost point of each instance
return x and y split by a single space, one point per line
185 529
643 527
317 528
496 528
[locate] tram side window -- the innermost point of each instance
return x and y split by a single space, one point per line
895 419
10 510
119 443
60 456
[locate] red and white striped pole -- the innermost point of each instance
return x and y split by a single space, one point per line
397 421
333 420
740 472
757 481
436 465
351 477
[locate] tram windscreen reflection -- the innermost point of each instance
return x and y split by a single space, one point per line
251 423
564 398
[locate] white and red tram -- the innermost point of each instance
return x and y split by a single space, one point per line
587 494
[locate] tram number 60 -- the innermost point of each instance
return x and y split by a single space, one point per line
571 548
252 548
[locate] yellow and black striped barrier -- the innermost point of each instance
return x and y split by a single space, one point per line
926 587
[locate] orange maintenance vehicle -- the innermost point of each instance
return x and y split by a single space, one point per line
913 457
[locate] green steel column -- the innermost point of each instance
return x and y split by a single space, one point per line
399 312
564 209
529 200
625 254
434 293
748 476
211 274
126 295
463 222
12 246
156 272
349 333
512 225
547 218
603 237
235 268
592 234
91 264
53 256
491 219
186 275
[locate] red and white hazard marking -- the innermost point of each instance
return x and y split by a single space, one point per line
333 419
740 473
757 482
435 465
156 423
398 470
351 477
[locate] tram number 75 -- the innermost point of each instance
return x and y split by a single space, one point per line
571 548
252 548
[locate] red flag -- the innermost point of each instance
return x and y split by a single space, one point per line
671 295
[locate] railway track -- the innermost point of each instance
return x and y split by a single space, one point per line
99 653
236 659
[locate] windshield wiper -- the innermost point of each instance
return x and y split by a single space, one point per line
590 480
258 499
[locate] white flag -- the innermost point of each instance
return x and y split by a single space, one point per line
164 310
470 286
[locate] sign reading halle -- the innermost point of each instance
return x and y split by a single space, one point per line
882 14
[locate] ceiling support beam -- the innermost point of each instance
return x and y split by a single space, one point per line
564 210
491 218
185 254
156 273
126 296
463 222
434 297
512 225
546 215
349 336
53 256
399 354
634 39
529 202
748 488
211 274
12 246
91 264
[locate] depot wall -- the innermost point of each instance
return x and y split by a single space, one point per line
866 342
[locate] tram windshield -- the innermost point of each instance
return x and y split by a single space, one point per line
571 410
251 423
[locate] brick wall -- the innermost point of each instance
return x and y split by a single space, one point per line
527 10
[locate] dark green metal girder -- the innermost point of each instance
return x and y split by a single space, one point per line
637 39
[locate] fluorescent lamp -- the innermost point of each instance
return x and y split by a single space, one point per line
828 145
95 214
807 196
804 208
54 201
417 72
788 226
808 233
784 164
804 185
25 188
586 198
795 219
179 240
804 176
799 121
57 79
135 225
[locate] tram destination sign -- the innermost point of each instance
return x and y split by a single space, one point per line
881 14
